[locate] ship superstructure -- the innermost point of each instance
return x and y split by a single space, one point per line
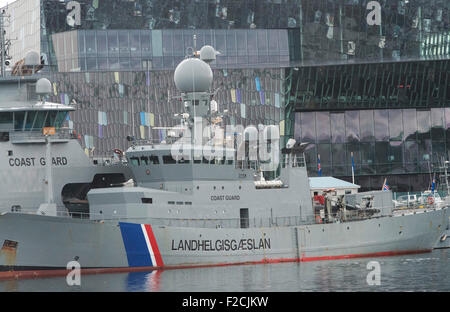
44 167
205 197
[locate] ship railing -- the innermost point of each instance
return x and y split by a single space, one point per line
180 222
276 221
295 161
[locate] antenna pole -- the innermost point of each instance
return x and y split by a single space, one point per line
2 41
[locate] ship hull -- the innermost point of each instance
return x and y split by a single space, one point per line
43 246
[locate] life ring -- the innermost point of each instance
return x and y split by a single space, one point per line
118 151
430 200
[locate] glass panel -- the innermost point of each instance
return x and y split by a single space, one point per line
6 120
424 146
91 63
352 126
338 153
381 119
439 154
157 42
113 63
252 43
102 48
323 127
411 151
367 125
273 42
145 43
308 127
50 122
231 43
124 45
135 46
395 125
409 124
423 124
338 126
437 124
39 123
262 42
19 120
167 43
241 37
60 118
30 120
113 43
220 41
367 151
90 42
178 44
396 152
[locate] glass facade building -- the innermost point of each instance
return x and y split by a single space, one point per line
100 50
370 78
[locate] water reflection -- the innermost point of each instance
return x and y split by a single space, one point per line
423 272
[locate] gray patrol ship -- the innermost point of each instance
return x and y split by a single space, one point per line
26 179
200 199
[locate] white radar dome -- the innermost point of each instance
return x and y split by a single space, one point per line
43 86
193 75
32 59
208 54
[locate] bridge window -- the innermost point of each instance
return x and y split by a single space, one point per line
147 200
19 120
29 122
6 121
135 161
60 118
168 159
51 119
144 161
154 159
40 119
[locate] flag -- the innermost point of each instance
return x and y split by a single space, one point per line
319 169
353 170
433 184
385 186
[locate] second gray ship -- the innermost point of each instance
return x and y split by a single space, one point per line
202 200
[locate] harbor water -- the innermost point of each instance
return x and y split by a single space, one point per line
428 272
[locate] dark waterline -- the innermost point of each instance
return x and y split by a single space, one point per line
422 272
